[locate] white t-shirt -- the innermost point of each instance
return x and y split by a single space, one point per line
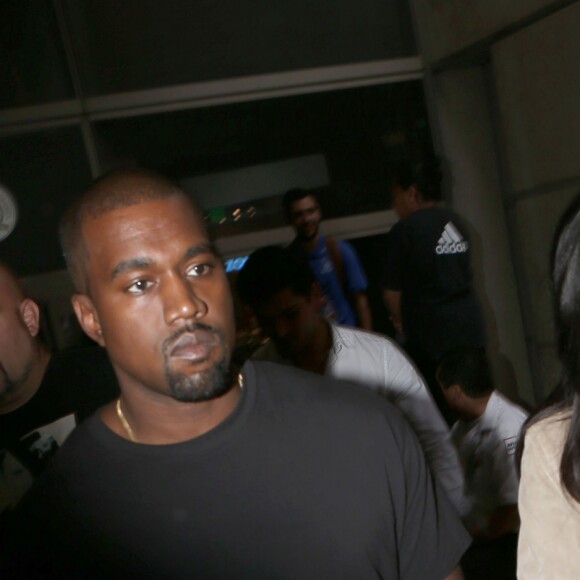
487 448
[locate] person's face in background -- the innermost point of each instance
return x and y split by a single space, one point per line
404 200
17 332
291 320
159 300
304 215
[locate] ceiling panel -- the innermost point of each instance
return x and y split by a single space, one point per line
134 45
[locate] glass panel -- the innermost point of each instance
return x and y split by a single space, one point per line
43 171
121 46
32 60
245 156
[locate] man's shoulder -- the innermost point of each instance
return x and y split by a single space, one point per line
290 386
358 338
510 416
504 419
430 217
268 352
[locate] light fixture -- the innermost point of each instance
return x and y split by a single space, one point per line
8 212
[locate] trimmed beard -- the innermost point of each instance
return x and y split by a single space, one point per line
201 386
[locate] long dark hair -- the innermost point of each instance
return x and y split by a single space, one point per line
566 286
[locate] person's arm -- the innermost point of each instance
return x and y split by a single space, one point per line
405 388
456 574
356 285
503 481
392 300
362 310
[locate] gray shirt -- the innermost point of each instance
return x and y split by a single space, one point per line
374 361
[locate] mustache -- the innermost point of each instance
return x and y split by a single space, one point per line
189 328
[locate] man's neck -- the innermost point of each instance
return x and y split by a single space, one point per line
157 419
427 204
315 357
28 388
475 408
308 245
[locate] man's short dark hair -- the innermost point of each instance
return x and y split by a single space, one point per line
293 195
116 189
426 176
468 368
270 270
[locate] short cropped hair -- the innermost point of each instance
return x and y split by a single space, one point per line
469 368
119 188
426 176
293 195
270 270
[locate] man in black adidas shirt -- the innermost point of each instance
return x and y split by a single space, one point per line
428 281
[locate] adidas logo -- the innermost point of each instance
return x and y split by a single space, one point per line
451 241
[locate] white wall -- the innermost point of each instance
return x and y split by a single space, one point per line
509 122
537 83
453 25
468 144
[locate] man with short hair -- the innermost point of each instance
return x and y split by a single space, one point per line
428 286
486 436
198 470
42 395
333 262
286 300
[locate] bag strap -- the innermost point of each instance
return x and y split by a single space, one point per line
335 256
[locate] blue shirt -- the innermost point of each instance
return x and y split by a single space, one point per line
336 304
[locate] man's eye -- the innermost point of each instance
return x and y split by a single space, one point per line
139 287
199 270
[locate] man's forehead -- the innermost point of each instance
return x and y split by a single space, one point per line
306 202
152 225
153 213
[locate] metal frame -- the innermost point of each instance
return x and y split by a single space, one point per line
83 111
196 95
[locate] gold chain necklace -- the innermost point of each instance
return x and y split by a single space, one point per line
124 422
126 425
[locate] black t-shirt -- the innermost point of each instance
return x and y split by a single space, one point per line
306 479
76 383
428 261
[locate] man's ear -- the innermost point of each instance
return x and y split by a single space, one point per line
454 391
414 195
30 314
88 317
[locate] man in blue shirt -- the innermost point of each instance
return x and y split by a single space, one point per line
333 262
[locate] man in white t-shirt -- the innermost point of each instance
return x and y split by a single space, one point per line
486 437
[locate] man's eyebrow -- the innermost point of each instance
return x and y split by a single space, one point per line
126 265
144 262
194 251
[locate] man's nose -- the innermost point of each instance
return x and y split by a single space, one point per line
181 301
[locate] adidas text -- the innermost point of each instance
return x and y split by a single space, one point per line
456 248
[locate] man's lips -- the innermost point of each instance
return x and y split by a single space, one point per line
193 346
